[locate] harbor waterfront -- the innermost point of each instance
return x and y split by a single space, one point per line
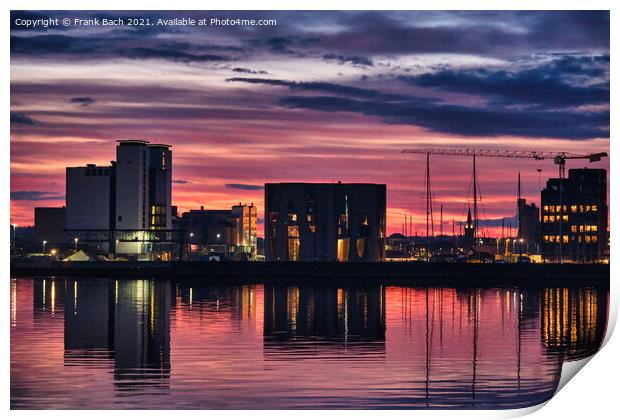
409 273
86 343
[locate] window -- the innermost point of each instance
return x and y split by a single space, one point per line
573 228
565 239
565 217
293 243
545 219
581 228
545 208
587 239
594 238
573 208
120 218
594 207
594 228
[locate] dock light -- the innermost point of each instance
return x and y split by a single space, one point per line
44 242
76 242
218 236
53 252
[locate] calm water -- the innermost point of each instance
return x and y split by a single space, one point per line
78 343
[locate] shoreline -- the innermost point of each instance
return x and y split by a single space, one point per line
402 273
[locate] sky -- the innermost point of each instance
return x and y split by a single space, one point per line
318 97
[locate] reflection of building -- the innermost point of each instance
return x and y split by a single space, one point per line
221 233
49 225
573 321
127 322
325 222
89 322
327 314
574 216
142 335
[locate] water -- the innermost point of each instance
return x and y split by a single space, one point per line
85 343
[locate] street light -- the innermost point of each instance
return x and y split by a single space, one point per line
520 246
44 242
76 241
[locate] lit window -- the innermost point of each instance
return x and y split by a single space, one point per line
581 208
573 228
565 217
587 208
546 208
594 207
565 239
581 228
557 209
594 238
594 228
546 238
545 219
587 239
564 209
573 208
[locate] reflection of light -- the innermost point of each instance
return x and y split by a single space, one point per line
191 296
116 292
53 296
75 287
43 297
152 307
13 302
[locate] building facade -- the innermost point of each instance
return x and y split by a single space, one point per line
220 234
529 225
49 225
325 222
129 199
574 217
90 197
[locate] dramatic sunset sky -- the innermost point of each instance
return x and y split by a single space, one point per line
320 97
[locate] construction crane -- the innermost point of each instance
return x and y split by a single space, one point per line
559 158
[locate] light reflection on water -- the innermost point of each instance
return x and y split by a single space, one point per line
78 343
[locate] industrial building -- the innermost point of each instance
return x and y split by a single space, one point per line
49 225
325 222
120 208
574 217
221 234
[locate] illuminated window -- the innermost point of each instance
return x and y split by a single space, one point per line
545 219
557 209
293 243
546 238
545 208
587 208
581 228
565 239
343 250
292 217
594 207
573 228
581 208
587 239
564 209
565 217
573 208
594 228
594 238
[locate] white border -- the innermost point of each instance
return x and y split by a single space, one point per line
592 395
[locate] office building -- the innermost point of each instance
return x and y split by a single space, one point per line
325 222
574 217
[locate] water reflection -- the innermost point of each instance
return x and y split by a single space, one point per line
125 323
123 343
309 321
